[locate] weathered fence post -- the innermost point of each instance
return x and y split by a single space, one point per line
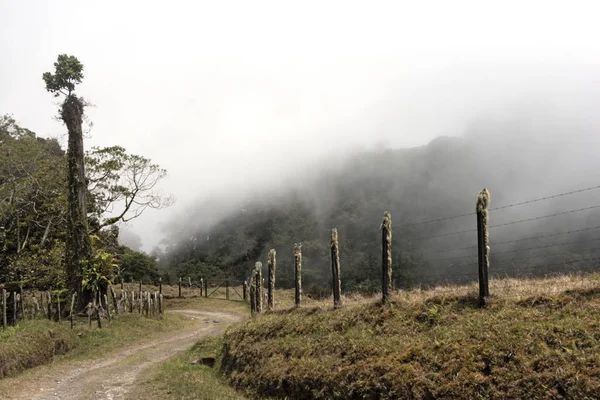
140 287
14 308
49 298
386 250
160 285
227 289
190 285
179 286
245 291
160 304
272 261
201 285
90 312
298 271
132 302
335 269
114 299
148 305
72 306
58 306
107 307
483 243
141 303
259 290
36 306
4 322
253 293
206 288
22 301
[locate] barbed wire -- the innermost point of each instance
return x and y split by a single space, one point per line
505 206
544 216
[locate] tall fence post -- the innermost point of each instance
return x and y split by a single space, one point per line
259 293
227 290
483 245
179 286
190 285
72 306
114 299
335 269
15 308
253 293
298 273
272 261
22 301
4 322
206 287
201 286
49 298
245 291
159 285
58 306
386 255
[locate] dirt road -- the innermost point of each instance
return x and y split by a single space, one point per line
114 376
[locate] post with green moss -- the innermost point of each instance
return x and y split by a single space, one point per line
259 287
114 299
49 299
22 301
179 286
483 245
272 261
298 273
71 316
252 294
335 269
386 247
4 322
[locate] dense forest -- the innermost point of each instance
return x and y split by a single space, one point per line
33 209
517 159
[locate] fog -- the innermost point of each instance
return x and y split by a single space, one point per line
242 101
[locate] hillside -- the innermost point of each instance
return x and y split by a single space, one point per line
538 339
517 160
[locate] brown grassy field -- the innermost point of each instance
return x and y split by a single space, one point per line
537 339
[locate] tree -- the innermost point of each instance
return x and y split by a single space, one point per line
122 185
68 73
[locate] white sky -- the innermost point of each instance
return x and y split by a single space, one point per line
224 94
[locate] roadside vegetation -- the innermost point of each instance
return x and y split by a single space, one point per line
537 339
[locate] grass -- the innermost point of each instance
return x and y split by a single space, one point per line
179 379
36 342
537 339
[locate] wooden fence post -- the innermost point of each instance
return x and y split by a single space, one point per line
206 287
107 307
272 262
298 272
179 286
190 285
49 298
201 286
4 322
259 291
245 291
148 304
36 306
227 289
22 301
58 306
253 293
72 306
114 299
160 304
160 285
141 287
386 264
483 243
335 269
14 308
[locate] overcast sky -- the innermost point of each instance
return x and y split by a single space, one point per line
223 94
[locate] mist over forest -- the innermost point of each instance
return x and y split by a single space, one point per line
527 152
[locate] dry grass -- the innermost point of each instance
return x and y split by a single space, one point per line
537 339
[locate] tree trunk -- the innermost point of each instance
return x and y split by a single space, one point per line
78 246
